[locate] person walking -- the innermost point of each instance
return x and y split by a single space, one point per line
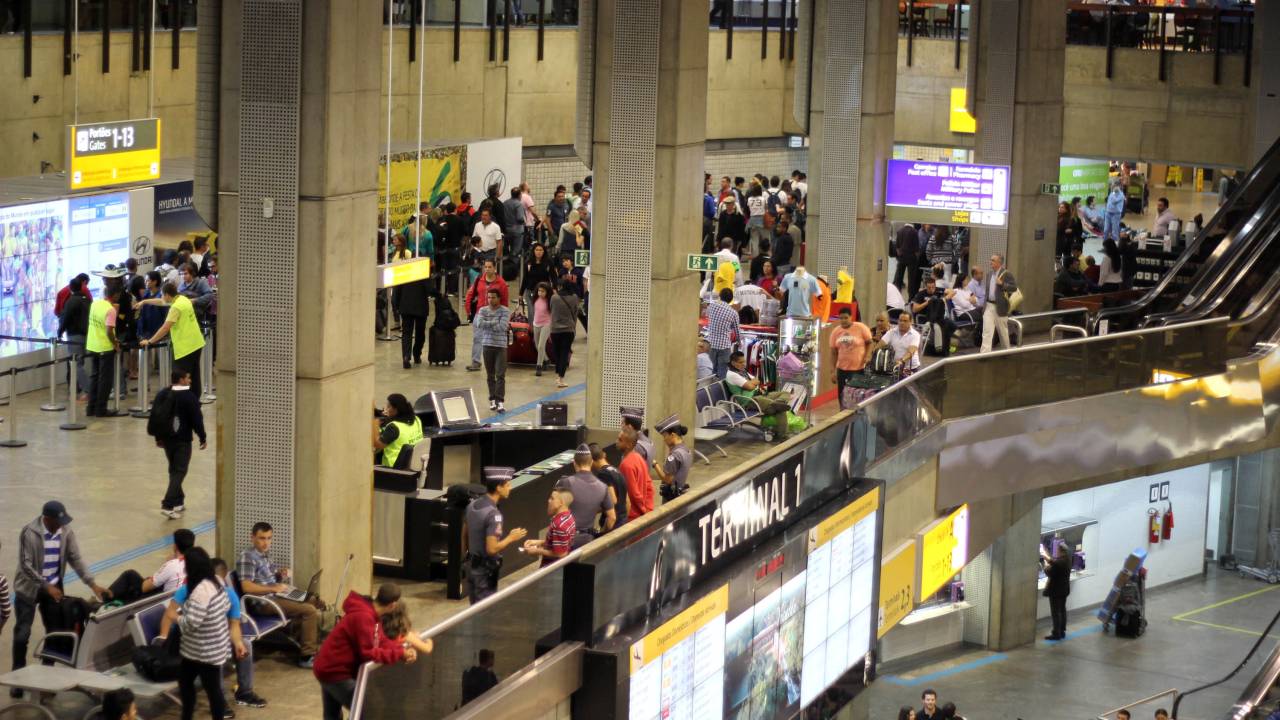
181 325
102 344
564 314
540 318
995 316
207 638
1114 211
175 417
850 342
357 639
722 331
483 534
412 301
476 298
908 254
492 326
1057 590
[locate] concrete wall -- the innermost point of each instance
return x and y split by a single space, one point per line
1186 119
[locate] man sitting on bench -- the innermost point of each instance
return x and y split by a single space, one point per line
260 576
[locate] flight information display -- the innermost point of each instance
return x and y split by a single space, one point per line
947 193
677 671
840 604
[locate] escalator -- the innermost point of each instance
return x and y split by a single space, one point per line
1214 251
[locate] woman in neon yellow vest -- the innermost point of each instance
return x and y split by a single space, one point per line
183 327
401 431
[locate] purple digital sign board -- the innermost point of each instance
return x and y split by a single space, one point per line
942 193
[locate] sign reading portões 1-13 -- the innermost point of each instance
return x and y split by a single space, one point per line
113 153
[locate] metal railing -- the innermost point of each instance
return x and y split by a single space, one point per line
1111 714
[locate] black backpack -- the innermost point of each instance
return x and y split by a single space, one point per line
162 423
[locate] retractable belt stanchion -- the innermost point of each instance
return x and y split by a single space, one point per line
166 363
53 405
386 335
72 423
12 441
115 383
142 409
206 369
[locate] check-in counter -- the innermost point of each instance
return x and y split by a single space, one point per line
417 530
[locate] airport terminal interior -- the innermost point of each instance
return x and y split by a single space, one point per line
640 359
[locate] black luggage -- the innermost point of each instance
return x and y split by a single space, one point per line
160 662
1130 623
66 615
510 267
441 346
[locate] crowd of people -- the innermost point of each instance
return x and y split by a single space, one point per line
929 709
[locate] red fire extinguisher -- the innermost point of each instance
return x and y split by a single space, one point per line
1166 525
1153 526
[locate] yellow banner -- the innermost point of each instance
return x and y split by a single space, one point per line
942 550
897 581
405 271
678 628
960 121
442 173
845 518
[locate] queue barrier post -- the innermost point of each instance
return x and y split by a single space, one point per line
166 364
53 405
115 383
206 369
72 422
142 409
13 441
386 333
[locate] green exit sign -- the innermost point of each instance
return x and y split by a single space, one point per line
703 263
1050 189
581 258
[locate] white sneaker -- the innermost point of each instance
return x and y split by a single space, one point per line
501 408
493 405
174 514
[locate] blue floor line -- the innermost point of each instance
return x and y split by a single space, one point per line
955 670
1078 633
522 409
137 552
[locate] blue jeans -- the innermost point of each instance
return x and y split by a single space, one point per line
1111 226
475 344
720 361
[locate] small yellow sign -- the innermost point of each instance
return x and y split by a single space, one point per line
943 550
405 271
960 119
113 153
897 584
845 518
670 633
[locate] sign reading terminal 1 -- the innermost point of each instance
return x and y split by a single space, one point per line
942 193
113 153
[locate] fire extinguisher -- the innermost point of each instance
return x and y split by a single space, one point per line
1166 525
1153 526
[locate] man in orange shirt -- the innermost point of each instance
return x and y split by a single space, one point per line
636 473
849 343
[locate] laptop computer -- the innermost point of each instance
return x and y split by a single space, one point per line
296 595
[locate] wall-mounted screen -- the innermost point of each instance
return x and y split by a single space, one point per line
947 193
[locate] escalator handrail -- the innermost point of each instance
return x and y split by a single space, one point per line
1272 155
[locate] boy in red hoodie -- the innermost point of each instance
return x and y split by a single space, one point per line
357 639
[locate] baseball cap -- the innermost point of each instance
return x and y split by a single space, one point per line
57 511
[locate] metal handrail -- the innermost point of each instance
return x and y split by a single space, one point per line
1057 330
1110 714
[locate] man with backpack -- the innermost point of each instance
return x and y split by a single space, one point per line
175 416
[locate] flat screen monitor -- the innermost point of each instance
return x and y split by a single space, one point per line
455 408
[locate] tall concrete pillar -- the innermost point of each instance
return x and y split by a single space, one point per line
295 367
1265 79
1020 70
853 83
648 133
1012 597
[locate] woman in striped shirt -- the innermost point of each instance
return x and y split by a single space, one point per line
206 635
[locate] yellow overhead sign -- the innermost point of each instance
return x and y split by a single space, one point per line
960 119
113 153
897 581
679 627
944 547
405 271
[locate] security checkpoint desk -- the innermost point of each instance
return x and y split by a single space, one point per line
417 534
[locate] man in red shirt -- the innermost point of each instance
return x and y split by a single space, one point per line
560 530
636 473
65 293
356 639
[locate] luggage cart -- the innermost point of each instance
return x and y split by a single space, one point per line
1271 573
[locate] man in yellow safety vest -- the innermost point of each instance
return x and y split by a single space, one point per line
184 331
102 345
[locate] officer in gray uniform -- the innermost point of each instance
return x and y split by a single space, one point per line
485 542
590 498
674 471
634 418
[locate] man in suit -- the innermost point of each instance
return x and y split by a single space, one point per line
995 316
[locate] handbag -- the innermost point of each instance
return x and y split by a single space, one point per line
790 365
882 361
1014 298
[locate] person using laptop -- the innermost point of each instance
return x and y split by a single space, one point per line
260 576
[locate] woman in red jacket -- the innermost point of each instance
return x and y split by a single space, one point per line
358 638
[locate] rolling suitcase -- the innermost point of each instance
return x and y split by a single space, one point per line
441 346
522 350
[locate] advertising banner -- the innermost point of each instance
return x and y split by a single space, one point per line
142 227
1080 177
493 162
947 193
441 170
175 217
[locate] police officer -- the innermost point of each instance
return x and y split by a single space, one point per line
187 339
483 534
634 418
590 498
674 472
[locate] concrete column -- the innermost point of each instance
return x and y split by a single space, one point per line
649 131
1011 618
1265 79
852 90
295 371
1020 73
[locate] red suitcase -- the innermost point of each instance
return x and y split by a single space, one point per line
522 350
